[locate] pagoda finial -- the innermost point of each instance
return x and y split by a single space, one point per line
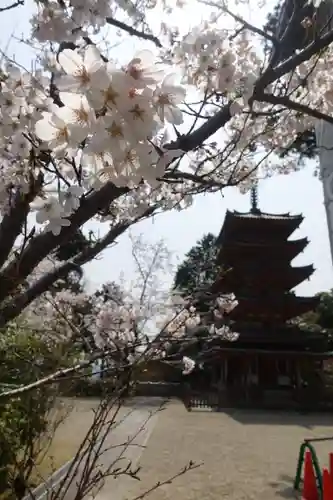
254 200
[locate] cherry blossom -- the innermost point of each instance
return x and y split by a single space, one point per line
84 121
47 209
142 71
189 365
82 73
57 132
166 98
71 198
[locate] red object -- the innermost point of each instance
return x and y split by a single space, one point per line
310 490
327 484
331 465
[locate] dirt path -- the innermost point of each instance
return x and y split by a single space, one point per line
245 455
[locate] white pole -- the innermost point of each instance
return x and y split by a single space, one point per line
324 138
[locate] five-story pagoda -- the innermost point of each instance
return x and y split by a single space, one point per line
272 352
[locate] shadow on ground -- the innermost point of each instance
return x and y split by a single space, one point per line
276 417
284 487
147 402
259 417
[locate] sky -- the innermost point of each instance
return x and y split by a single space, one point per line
299 192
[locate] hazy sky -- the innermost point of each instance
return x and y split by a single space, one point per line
296 193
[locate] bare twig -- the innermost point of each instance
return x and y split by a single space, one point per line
191 466
18 3
240 20
133 31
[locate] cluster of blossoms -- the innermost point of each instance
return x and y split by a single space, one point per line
102 123
71 19
114 325
213 62
92 120
81 121
85 317
229 70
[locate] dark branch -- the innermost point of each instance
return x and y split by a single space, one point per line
201 134
12 6
134 32
292 62
18 269
16 306
296 106
12 222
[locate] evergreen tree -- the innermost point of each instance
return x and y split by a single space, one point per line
198 272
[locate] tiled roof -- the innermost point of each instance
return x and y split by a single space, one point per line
263 215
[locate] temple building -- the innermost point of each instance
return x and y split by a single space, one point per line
274 361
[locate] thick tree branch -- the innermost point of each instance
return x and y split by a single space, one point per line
296 106
134 32
295 60
212 125
12 222
17 304
38 248
196 138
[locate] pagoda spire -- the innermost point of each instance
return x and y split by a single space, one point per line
254 200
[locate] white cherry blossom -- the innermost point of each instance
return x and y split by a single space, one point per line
142 70
70 199
189 365
55 225
56 131
47 209
166 98
82 73
79 111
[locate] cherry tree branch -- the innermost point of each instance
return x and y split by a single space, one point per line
18 3
38 248
196 138
17 304
12 222
134 32
295 60
49 379
296 106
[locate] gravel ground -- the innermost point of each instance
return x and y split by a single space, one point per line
245 454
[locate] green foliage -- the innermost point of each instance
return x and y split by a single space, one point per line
199 268
325 310
322 317
25 358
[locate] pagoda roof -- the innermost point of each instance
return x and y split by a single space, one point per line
285 250
280 279
264 215
280 308
289 339
233 220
